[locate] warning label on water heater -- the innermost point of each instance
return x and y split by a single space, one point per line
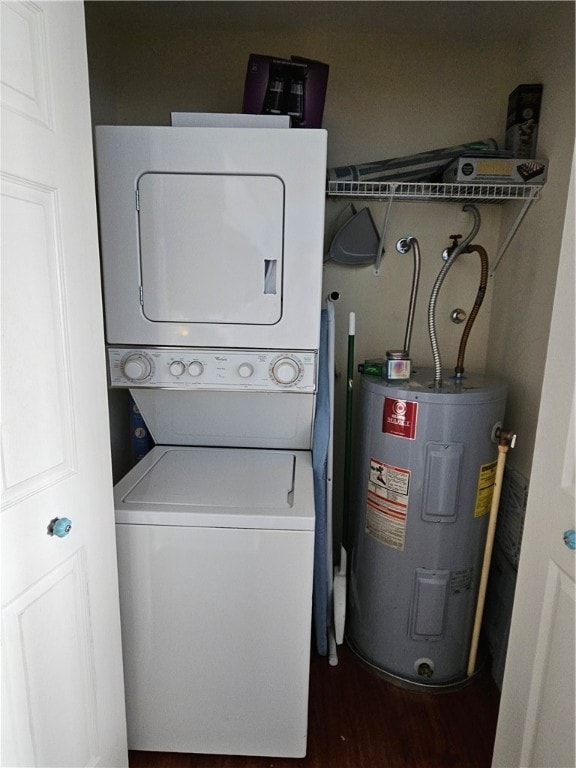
387 503
399 417
485 490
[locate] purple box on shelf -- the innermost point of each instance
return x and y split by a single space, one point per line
294 87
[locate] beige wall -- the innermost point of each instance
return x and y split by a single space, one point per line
404 77
525 281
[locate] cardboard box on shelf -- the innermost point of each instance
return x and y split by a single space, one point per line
496 170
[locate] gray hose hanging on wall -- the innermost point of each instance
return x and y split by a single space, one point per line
403 246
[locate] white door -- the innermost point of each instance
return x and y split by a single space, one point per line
62 681
536 722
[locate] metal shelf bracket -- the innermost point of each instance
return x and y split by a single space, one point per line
510 236
378 259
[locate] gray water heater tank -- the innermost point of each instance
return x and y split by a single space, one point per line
422 491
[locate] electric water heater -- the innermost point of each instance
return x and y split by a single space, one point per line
423 485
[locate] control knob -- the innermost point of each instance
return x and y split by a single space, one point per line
286 370
245 370
195 368
137 367
177 368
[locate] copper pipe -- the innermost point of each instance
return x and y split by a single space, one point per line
506 440
476 308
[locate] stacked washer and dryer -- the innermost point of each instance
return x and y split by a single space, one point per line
212 243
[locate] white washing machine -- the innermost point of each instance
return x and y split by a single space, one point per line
215 550
212 246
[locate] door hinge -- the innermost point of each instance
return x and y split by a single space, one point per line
137 200
141 296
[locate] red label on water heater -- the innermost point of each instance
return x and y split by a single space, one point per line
399 417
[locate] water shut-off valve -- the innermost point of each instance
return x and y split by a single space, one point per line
505 439
447 252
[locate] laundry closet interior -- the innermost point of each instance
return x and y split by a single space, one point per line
404 78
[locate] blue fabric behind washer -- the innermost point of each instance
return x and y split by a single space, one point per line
320 442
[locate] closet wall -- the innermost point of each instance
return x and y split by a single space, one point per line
405 77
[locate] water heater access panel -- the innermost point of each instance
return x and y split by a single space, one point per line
211 237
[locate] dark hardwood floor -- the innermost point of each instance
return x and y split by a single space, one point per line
358 720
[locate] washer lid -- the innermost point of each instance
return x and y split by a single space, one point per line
218 487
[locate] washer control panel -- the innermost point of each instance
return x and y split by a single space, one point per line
199 368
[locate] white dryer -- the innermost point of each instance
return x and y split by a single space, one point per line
212 244
211 236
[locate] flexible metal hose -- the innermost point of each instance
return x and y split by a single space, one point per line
476 308
413 243
436 290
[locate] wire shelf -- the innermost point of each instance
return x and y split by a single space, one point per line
427 191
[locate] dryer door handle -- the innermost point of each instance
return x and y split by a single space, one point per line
270 275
